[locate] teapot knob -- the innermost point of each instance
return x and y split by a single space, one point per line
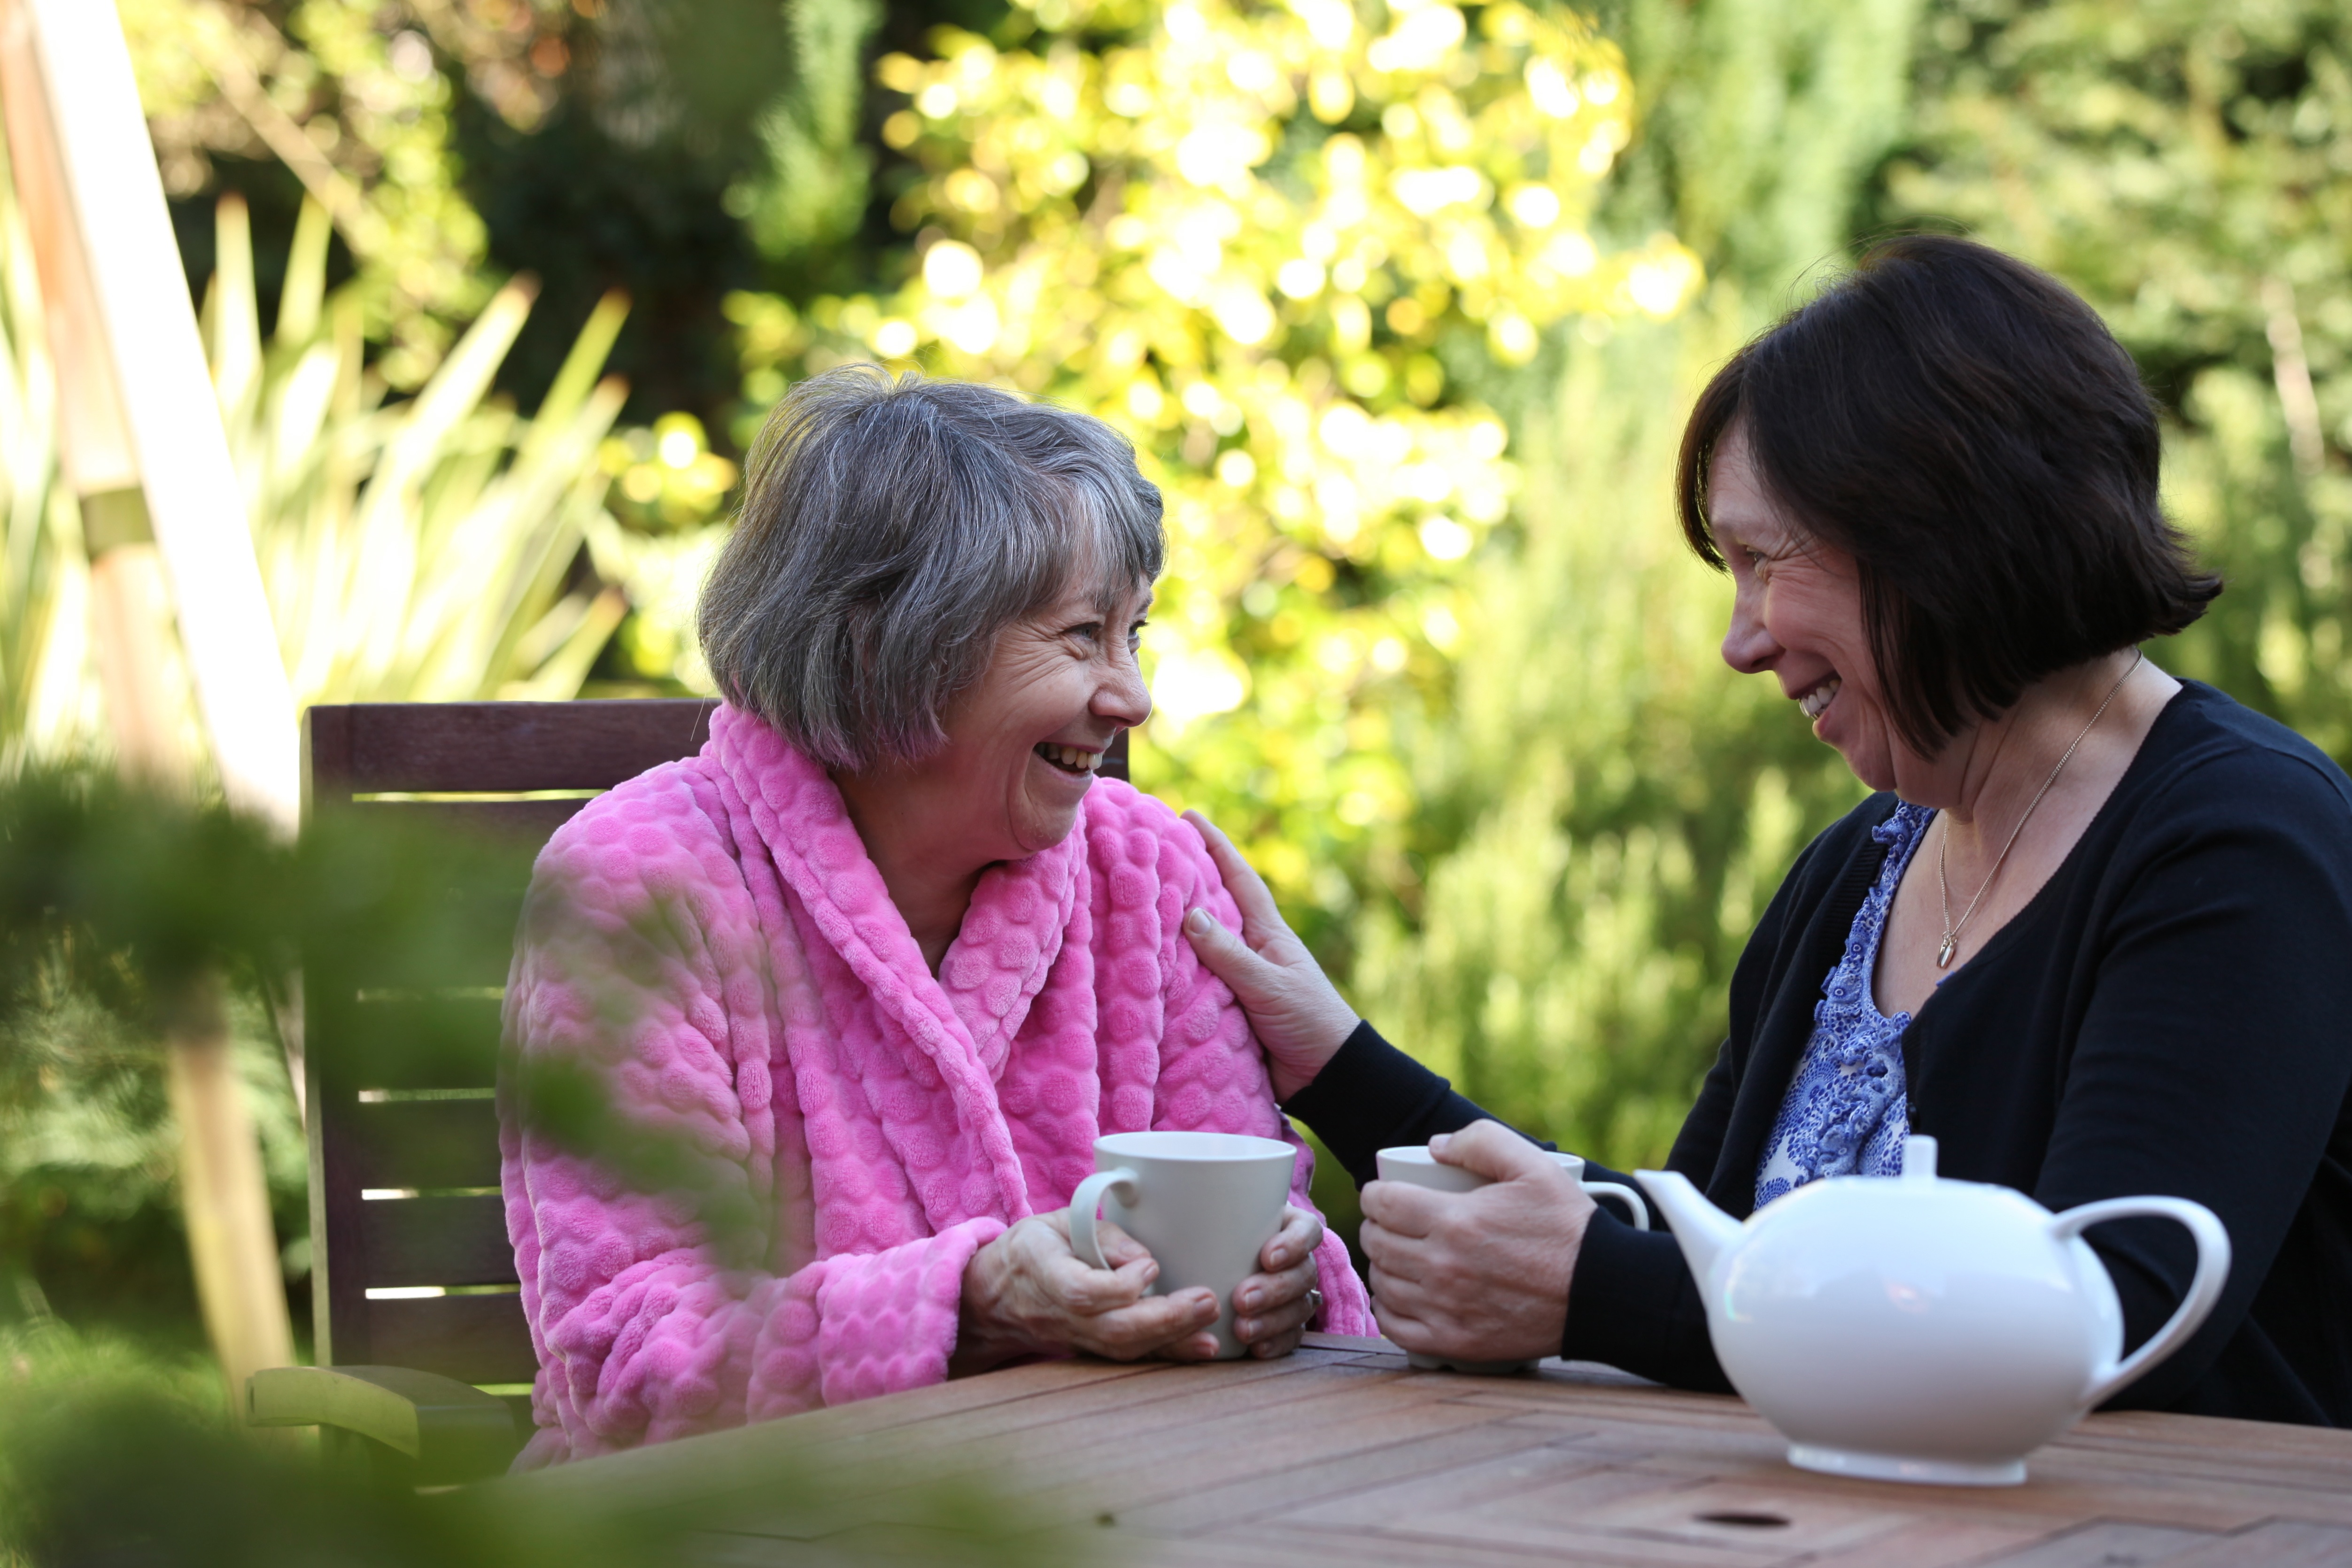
1918 1157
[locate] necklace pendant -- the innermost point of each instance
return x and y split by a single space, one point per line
1943 954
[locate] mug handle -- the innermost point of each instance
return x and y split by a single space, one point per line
1082 1204
2204 1289
1625 1195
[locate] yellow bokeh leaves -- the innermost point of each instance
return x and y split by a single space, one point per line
1267 242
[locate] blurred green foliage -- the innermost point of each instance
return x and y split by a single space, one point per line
1278 246
112 901
113 1455
2187 167
1606 808
359 114
89 1211
436 547
425 550
108 1455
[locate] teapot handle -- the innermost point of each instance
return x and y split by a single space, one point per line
2204 1289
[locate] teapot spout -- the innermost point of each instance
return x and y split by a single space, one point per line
1705 1232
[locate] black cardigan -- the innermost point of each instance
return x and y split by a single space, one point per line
2167 1015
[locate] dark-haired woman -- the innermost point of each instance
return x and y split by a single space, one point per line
2093 931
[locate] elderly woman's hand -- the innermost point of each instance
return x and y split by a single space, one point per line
1027 1291
1272 1309
1479 1275
1297 1015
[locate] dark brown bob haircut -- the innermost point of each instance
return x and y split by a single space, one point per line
1968 431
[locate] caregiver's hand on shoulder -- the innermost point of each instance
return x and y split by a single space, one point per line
1297 1014
1272 1309
1027 1291
1480 1275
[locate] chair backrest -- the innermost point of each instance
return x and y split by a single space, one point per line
410 1265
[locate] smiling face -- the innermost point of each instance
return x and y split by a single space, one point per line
1798 616
1024 741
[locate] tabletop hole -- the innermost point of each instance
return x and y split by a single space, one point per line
1745 1520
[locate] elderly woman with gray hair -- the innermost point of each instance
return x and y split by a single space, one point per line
888 952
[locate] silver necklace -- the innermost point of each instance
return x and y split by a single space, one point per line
1945 954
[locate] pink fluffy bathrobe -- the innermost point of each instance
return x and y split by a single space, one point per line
780 1015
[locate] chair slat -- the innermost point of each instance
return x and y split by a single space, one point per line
512 747
474 1339
525 823
468 965
409 1042
438 1242
425 1143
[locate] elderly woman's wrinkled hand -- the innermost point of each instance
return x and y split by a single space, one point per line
1272 1309
1027 1291
1480 1275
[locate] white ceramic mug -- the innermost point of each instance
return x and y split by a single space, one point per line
1413 1164
1203 1204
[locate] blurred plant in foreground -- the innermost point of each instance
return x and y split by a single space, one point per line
1276 244
110 1454
114 902
104 1460
90 1224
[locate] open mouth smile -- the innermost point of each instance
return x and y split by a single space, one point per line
1071 759
1819 697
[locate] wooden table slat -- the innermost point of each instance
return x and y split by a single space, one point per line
1210 1459
1062 1472
1034 1431
2106 1545
2275 1543
1345 1479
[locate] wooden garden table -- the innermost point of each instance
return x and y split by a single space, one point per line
1341 1455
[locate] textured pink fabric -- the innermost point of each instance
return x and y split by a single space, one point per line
774 1008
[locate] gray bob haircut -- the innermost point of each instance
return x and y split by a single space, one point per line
891 528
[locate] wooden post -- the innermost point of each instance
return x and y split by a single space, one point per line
70 71
230 1238
142 447
129 601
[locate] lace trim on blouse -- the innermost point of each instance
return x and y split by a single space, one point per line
1846 1113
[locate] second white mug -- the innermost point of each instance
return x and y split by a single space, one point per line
1413 1164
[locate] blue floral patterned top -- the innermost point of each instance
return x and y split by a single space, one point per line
1846 1113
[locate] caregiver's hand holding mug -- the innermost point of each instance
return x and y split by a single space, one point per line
1479 1276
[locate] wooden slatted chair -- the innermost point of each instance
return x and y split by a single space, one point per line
421 1346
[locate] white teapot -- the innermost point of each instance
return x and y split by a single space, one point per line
1910 1328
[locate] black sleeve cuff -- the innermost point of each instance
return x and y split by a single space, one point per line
1371 1096
1632 1304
